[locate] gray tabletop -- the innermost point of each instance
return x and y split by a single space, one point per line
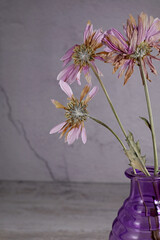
59 211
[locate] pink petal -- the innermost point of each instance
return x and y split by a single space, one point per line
57 128
78 78
98 36
154 38
73 75
99 58
66 88
154 28
84 135
93 92
65 72
123 68
87 74
68 54
110 45
71 137
120 37
65 62
86 69
107 49
88 31
78 132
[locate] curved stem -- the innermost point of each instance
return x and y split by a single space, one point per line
150 115
104 125
108 98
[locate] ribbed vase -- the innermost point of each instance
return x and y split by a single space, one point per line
139 217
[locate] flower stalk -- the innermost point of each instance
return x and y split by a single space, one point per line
106 126
150 115
108 98
134 154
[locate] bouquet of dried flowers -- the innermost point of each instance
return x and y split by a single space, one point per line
123 52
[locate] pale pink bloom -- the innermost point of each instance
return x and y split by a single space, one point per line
75 112
80 55
140 39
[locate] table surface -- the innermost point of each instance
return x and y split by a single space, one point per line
58 211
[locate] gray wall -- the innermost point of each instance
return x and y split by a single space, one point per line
34 35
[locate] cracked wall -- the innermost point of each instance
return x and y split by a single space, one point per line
34 35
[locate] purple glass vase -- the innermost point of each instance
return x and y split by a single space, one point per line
139 217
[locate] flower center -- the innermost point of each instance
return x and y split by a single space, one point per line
142 50
76 112
82 54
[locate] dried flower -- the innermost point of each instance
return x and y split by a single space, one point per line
75 112
81 55
140 40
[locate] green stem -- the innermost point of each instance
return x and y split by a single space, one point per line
108 98
150 116
104 125
118 120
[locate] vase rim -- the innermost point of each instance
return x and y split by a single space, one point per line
130 174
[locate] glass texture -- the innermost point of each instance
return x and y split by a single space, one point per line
139 217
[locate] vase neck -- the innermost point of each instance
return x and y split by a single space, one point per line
141 187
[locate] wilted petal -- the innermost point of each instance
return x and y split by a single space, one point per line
129 71
131 25
154 28
57 104
57 128
93 92
109 40
154 38
133 42
123 68
151 66
98 36
66 88
96 41
119 36
87 74
150 21
88 31
107 49
99 58
84 135
154 57
142 27
132 21
84 92
144 68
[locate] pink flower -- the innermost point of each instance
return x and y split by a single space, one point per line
75 112
80 55
141 38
